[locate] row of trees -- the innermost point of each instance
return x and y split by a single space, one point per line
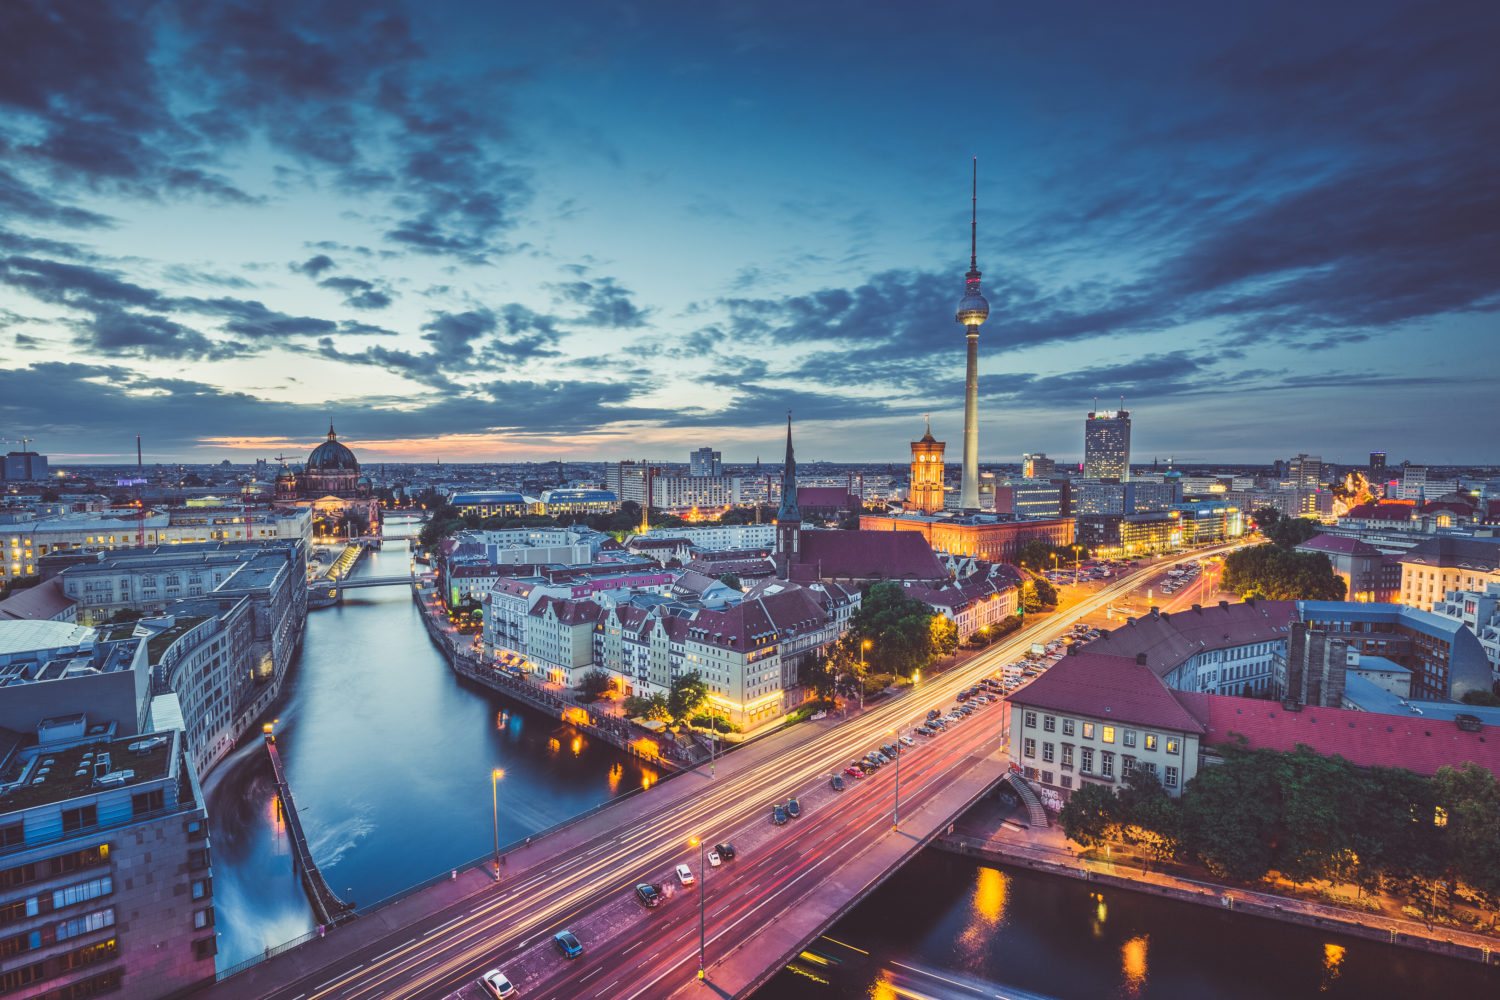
1279 572
1037 555
892 635
1308 817
686 697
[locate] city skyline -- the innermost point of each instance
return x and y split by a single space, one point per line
477 240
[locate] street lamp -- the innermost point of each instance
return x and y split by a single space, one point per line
495 777
702 887
862 647
896 812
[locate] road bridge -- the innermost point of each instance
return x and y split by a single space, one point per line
785 887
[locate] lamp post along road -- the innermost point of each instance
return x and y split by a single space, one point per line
896 812
495 776
862 647
702 889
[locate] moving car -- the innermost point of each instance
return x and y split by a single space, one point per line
714 860
648 894
496 985
567 944
793 807
725 850
684 875
778 815
836 783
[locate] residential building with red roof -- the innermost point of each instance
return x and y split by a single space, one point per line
1368 575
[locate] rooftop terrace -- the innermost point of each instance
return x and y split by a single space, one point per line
56 775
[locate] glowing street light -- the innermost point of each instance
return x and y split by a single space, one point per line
702 888
495 777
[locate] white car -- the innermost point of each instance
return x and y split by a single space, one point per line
713 859
908 741
818 715
684 875
496 985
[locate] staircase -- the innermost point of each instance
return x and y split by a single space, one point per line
1034 810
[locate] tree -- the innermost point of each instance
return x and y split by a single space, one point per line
1230 812
897 629
1037 594
1265 518
731 580
944 635
1090 815
594 684
654 707
1282 574
1035 555
1470 799
1320 806
1148 816
819 675
687 695
1289 532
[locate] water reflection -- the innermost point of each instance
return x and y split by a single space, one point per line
989 895
1333 963
389 758
1133 965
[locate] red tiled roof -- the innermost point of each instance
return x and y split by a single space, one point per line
1383 510
870 555
568 612
1107 687
1339 546
1168 640
1451 506
1365 739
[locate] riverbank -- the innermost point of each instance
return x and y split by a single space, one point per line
991 834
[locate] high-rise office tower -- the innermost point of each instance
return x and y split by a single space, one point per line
1037 466
1377 465
1106 445
1306 472
705 462
972 311
926 492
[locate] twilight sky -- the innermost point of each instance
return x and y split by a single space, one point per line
494 230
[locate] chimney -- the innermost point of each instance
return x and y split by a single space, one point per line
1250 601
1198 609
1073 649
1224 605
1140 658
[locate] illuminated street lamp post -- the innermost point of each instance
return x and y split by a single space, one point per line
702 888
495 777
862 647
896 812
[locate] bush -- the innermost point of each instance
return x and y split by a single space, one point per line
704 721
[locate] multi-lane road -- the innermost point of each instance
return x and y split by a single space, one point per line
634 953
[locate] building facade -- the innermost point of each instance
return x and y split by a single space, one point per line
1106 445
927 473
993 538
1437 565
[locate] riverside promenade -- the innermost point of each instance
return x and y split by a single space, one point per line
999 834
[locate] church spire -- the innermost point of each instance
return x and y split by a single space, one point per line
788 510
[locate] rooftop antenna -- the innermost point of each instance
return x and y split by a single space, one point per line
974 221
1122 402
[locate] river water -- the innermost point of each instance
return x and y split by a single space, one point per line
389 756
946 927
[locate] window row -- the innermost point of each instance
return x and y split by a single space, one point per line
1104 733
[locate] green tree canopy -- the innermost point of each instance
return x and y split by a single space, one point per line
594 684
1282 574
1090 816
897 628
687 695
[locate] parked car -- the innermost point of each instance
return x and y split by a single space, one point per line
818 715
684 875
648 894
793 807
496 985
836 783
567 944
924 731
908 741
935 713
714 860
778 815
854 772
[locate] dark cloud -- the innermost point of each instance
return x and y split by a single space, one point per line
358 293
22 201
604 301
314 266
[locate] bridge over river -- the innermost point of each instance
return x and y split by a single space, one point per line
784 887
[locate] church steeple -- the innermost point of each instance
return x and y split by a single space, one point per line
788 516
789 509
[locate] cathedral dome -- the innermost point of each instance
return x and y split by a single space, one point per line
330 456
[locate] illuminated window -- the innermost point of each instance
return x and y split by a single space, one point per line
1108 734
1171 746
1088 730
1150 741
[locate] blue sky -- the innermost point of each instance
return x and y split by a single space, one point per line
503 231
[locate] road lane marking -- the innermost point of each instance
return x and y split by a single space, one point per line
633 947
849 946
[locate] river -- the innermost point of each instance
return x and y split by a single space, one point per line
946 927
389 756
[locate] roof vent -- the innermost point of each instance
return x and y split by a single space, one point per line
1224 605
1073 649
1469 723
1140 658
1198 608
